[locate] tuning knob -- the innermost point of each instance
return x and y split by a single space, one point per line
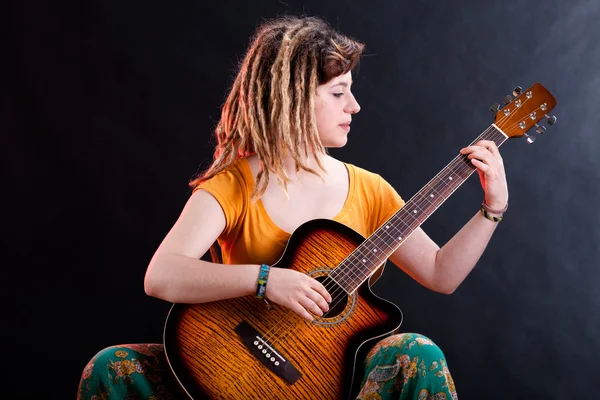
550 119
540 129
517 91
507 99
495 108
530 139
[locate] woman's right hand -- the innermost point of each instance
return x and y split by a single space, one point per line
298 292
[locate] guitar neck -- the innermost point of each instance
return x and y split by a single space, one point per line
367 257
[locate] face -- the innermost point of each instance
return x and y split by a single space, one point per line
334 106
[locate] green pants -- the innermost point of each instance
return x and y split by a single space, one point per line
404 366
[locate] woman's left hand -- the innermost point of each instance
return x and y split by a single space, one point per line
485 156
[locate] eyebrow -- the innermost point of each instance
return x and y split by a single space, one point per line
341 84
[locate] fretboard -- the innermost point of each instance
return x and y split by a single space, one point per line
367 257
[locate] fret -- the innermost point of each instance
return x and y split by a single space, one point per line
494 135
359 265
391 234
433 194
430 197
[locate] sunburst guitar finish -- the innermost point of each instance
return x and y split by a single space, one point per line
245 348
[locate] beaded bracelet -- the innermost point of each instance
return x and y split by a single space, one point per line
488 216
263 275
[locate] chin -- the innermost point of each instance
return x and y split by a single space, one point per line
335 146
336 143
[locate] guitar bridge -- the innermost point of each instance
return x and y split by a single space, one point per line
266 353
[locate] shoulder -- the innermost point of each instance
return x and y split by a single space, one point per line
232 178
371 183
364 177
230 189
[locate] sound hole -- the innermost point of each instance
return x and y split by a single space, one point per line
338 296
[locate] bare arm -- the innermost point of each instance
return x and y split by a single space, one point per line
443 270
175 272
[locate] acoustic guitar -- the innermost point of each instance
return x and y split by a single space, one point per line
246 348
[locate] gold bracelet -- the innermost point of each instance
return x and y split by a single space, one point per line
488 216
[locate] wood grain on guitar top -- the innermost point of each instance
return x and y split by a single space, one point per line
207 355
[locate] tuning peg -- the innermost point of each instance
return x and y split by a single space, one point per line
540 129
507 99
550 119
530 139
517 91
495 108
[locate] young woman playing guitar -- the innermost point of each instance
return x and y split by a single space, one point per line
290 102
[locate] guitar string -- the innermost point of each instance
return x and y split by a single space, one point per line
463 167
488 130
516 124
435 181
509 116
377 236
271 335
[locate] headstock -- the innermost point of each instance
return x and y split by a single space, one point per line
524 112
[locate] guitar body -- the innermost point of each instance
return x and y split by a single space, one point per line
212 348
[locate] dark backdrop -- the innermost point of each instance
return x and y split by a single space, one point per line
108 109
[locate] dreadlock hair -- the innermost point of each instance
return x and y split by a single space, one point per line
270 108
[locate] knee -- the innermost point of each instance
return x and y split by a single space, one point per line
99 366
95 376
411 345
417 344
104 356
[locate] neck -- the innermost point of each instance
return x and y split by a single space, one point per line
289 164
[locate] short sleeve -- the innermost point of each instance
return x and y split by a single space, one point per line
228 189
388 202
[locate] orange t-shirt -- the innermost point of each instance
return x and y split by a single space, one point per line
251 237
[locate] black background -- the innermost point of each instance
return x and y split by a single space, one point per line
108 109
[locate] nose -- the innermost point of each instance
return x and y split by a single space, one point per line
352 107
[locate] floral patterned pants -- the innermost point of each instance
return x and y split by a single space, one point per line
404 366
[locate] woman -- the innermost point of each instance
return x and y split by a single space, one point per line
290 101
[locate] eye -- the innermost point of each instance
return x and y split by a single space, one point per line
338 94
